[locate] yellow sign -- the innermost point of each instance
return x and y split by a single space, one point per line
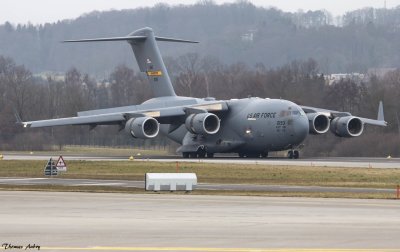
154 73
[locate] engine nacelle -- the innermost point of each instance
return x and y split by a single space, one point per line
142 127
318 123
348 126
203 123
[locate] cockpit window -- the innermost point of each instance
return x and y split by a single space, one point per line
284 113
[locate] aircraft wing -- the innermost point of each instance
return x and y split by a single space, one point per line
118 116
380 121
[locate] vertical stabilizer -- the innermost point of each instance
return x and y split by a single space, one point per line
148 57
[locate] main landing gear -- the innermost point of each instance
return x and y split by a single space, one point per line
198 154
253 155
293 154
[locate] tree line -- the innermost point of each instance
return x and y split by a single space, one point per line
233 32
36 97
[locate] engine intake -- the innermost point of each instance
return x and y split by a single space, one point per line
203 123
142 127
318 123
348 126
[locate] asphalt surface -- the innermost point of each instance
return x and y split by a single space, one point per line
321 162
163 222
201 186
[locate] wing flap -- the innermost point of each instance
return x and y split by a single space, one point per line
80 120
329 113
165 115
373 122
332 114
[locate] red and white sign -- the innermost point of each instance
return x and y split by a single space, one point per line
61 165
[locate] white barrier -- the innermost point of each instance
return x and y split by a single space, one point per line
170 181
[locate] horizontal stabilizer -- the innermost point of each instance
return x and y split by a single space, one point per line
148 57
174 40
127 38
130 38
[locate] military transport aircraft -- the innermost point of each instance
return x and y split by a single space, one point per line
251 127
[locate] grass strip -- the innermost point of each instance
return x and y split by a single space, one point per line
215 173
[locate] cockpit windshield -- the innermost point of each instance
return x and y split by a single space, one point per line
285 113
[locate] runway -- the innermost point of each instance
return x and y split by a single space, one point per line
310 162
123 222
200 186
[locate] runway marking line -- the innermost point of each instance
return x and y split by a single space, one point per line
214 249
18 179
99 184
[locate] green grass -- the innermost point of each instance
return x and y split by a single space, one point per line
95 151
215 173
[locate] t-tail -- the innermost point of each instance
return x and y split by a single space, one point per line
148 57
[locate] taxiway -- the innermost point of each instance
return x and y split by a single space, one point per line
320 162
122 222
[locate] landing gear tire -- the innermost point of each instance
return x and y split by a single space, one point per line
185 154
201 152
241 154
210 155
253 155
264 154
192 155
293 154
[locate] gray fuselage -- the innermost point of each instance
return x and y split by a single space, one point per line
252 125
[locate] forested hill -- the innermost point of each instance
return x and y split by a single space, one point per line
239 32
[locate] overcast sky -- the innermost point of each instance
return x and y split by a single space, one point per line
42 11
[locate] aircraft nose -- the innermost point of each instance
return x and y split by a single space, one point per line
301 128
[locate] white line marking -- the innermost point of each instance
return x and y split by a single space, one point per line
19 179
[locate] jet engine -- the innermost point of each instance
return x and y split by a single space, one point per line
203 123
348 126
318 123
142 127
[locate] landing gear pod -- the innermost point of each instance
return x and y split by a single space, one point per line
348 126
142 127
318 123
203 123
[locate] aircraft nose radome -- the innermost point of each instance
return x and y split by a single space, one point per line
301 128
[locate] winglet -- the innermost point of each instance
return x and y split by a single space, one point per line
380 112
19 120
17 117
